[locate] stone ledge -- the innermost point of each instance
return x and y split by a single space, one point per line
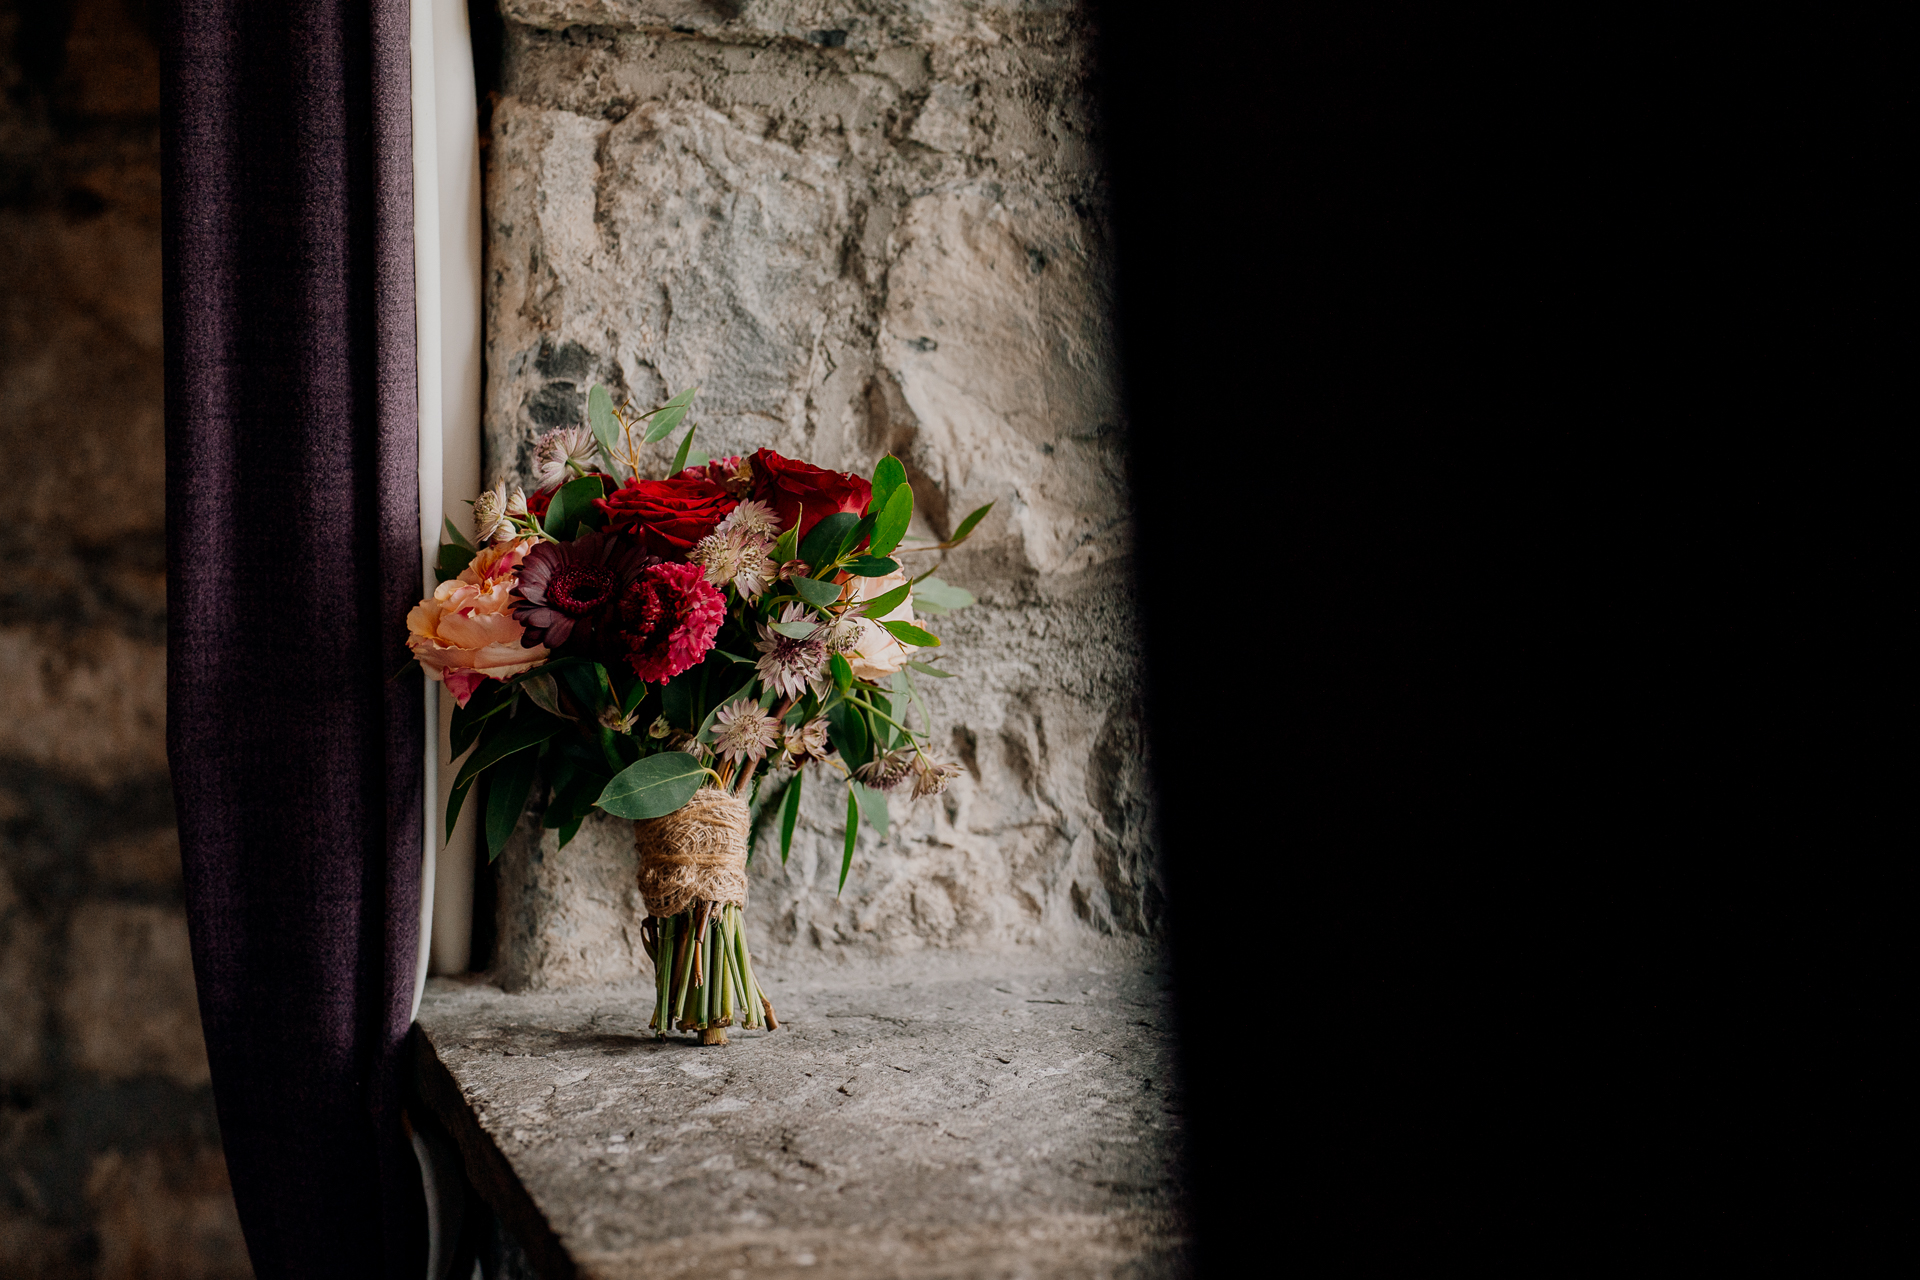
923 1118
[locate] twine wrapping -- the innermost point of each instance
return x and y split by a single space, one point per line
696 853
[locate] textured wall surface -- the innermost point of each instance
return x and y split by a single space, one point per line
857 229
110 1161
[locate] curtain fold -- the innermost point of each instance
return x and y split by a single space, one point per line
293 525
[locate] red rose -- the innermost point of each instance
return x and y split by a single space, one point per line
801 491
667 516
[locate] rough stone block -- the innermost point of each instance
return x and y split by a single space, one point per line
92 704
23 1004
129 1007
166 1215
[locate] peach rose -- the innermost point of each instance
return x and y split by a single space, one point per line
466 632
875 654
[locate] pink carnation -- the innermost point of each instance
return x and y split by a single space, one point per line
667 619
466 631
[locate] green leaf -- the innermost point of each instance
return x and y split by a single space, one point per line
891 524
456 537
888 475
873 807
907 633
574 500
676 701
871 566
854 537
606 428
453 559
842 671
680 456
469 720
507 790
568 832
966 526
706 726
853 829
798 630
587 682
455 801
926 670
528 729
699 457
653 787
789 813
815 592
884 603
731 657
787 545
905 678
847 729
668 416
544 692
823 540
935 596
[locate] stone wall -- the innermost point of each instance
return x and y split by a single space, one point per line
859 228
110 1161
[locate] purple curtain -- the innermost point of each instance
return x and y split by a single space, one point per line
292 556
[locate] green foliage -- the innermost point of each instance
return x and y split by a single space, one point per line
848 730
966 528
884 603
507 737
822 544
853 831
934 596
544 692
926 670
798 630
815 592
456 537
451 560
891 524
606 428
888 475
676 699
907 633
668 416
507 789
871 566
842 672
575 499
789 813
873 807
786 546
680 456
653 787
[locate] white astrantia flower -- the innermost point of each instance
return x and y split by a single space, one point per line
754 519
888 772
807 742
930 776
490 515
729 556
742 730
517 504
554 450
791 663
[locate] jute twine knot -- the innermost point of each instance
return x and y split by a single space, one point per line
696 853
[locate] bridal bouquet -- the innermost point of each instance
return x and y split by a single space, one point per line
665 649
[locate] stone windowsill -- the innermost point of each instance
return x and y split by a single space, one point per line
924 1118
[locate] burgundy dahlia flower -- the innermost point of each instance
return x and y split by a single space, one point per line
666 619
568 589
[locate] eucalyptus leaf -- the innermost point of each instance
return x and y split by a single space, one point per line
653 787
872 566
907 633
967 525
789 813
797 630
873 807
891 524
823 540
668 416
606 428
926 670
888 475
936 596
699 457
815 592
913 691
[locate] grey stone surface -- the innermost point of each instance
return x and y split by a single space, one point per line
867 228
946 1116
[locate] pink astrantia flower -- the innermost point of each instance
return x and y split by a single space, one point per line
466 632
665 620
